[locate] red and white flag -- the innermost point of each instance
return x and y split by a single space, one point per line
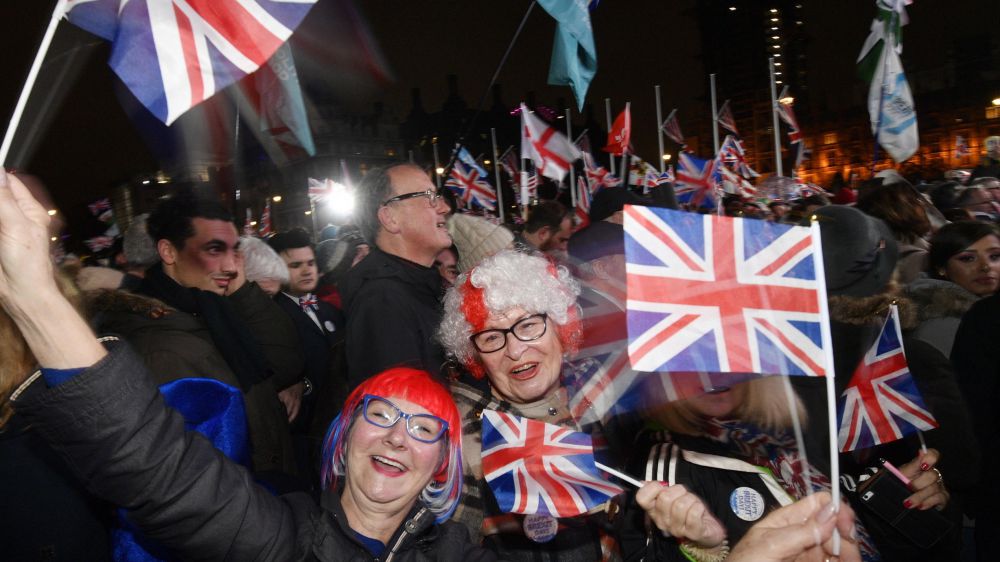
551 151
620 134
264 228
248 223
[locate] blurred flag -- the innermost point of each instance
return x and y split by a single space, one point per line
551 151
643 173
722 294
882 403
471 188
101 209
248 224
264 228
598 176
582 209
787 114
672 128
174 54
734 156
319 190
574 55
621 132
725 118
535 467
470 162
695 179
961 147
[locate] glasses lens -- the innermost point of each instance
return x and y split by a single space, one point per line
490 340
381 412
531 328
433 197
425 428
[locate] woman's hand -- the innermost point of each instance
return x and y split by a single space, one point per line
802 531
679 512
926 482
25 266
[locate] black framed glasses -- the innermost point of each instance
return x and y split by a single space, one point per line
526 329
423 427
432 196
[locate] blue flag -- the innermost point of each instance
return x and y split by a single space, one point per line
574 56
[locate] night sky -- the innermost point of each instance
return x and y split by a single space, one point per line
90 144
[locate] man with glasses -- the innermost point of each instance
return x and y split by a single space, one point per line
392 297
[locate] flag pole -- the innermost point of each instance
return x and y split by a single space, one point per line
774 119
496 172
437 165
29 83
607 113
715 115
572 166
411 156
659 129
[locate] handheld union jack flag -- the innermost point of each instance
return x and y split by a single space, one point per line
696 179
470 187
174 54
535 467
882 403
598 176
787 114
721 294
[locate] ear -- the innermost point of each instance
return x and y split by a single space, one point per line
167 251
387 218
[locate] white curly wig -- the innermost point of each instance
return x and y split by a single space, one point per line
261 262
506 280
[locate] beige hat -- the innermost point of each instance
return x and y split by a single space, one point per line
476 239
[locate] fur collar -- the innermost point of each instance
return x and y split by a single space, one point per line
114 301
870 311
936 298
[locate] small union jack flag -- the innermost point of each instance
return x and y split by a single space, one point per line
535 467
174 54
319 189
882 403
733 155
722 294
470 187
264 228
582 210
961 147
672 128
598 176
787 114
696 179
725 118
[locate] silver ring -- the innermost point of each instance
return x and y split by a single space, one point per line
940 478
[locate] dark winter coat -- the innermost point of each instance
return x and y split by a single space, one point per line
940 305
110 423
393 308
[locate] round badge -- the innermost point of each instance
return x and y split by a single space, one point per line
747 503
540 528
329 326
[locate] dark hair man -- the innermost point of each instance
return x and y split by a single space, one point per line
391 298
547 229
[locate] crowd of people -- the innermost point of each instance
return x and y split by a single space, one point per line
228 397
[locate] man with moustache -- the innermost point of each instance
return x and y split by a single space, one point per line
392 297
202 331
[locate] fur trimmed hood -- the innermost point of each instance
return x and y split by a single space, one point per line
871 311
938 298
109 301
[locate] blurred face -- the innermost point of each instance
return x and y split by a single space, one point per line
386 467
302 274
976 268
421 226
269 286
523 372
981 201
558 240
208 260
447 266
719 403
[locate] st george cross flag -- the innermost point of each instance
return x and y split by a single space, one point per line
722 294
535 467
574 55
621 132
551 151
726 119
882 403
174 54
471 188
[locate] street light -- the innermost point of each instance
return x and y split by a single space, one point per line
439 170
52 212
996 102
787 100
276 199
666 157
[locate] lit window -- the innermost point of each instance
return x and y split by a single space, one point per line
777 64
829 138
774 29
774 10
777 81
732 8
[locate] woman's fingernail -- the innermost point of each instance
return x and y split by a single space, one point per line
925 467
827 512
907 504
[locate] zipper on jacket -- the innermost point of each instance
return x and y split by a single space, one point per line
409 527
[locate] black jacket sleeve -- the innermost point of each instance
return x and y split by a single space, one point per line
275 331
111 425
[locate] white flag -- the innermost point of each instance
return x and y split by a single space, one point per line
551 151
890 107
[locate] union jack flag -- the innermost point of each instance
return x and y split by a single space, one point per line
598 176
882 403
319 190
672 128
264 228
582 210
535 467
696 179
787 114
721 294
470 187
668 176
174 54
735 183
725 118
734 155
101 209
248 223
961 147
98 243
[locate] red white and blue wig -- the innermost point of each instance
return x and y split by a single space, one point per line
442 493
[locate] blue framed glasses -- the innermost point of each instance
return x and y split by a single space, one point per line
423 427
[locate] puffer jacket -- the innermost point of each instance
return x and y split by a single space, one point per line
111 425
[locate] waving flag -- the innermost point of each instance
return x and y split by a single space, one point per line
101 209
695 179
551 151
672 128
882 403
535 467
725 118
174 54
787 114
733 155
621 132
961 147
574 55
721 294
582 210
319 190
598 176
248 223
471 188
264 228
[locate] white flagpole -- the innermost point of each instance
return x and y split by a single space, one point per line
607 113
659 129
572 166
774 119
437 165
411 157
715 115
496 172
29 83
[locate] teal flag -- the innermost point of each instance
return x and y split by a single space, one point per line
574 56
